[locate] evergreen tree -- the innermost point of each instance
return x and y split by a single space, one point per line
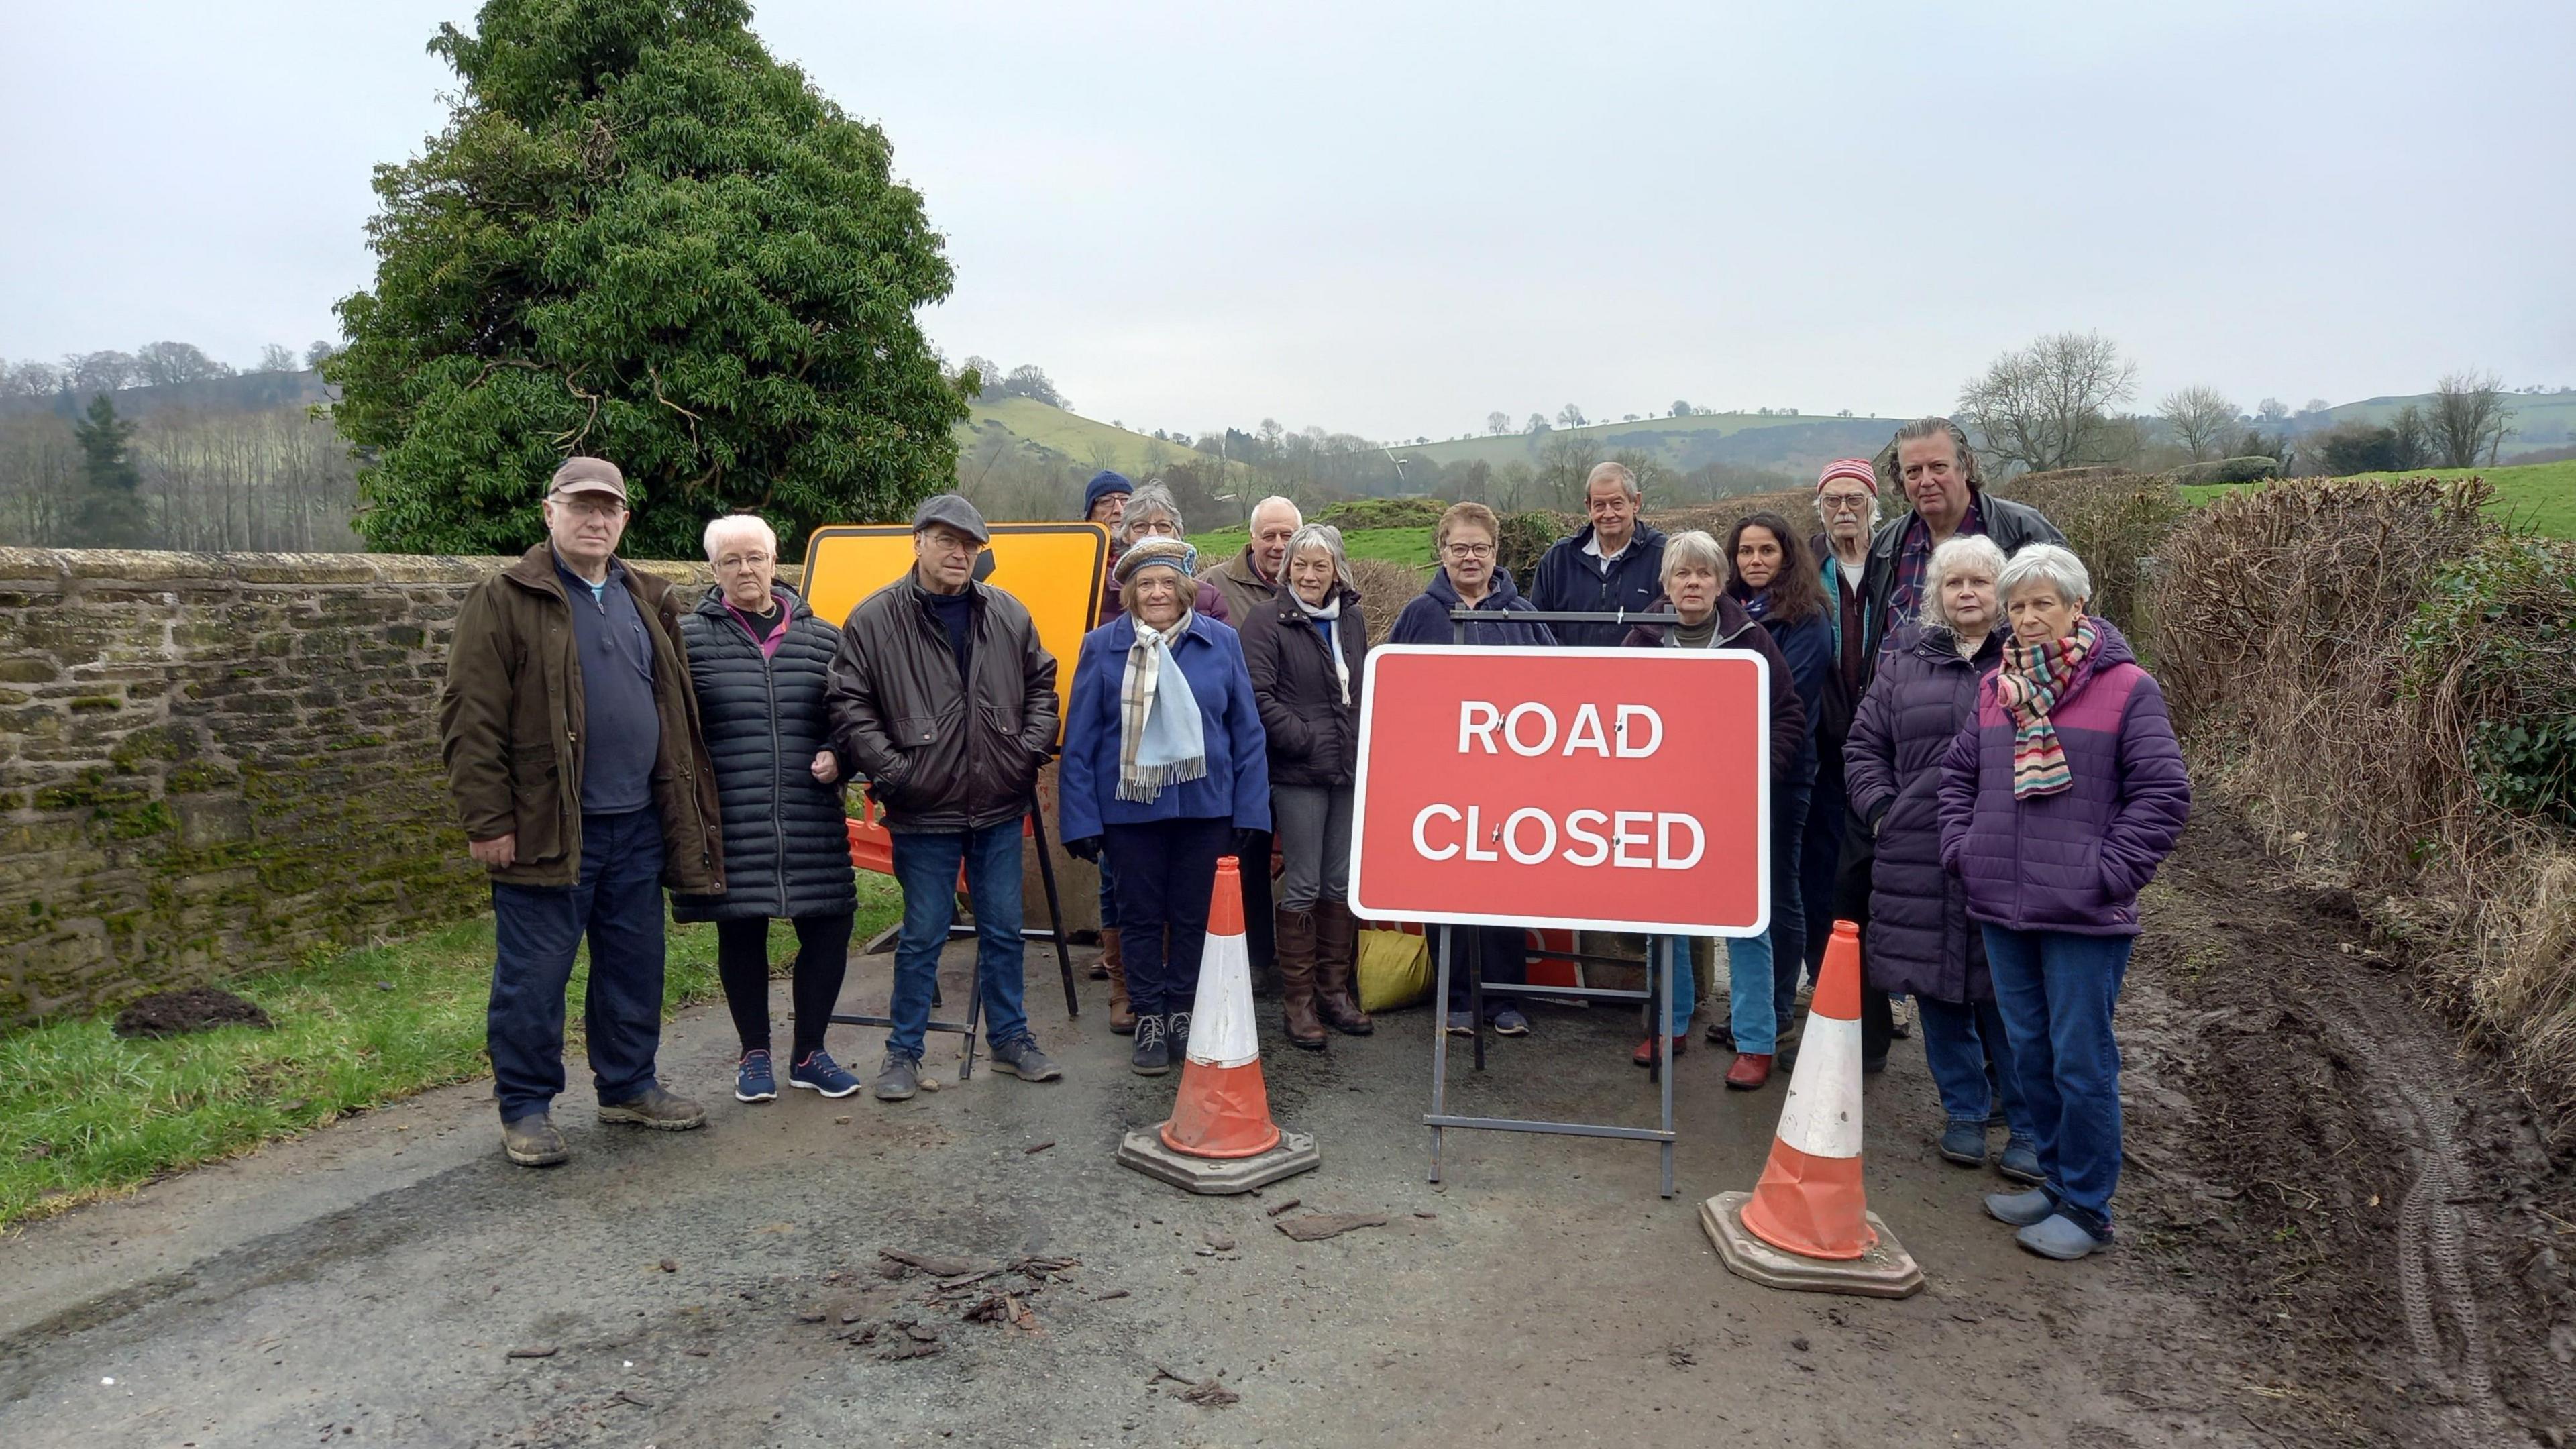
111 509
640 237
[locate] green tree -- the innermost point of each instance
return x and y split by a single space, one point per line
110 514
640 237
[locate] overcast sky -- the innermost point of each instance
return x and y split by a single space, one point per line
1391 218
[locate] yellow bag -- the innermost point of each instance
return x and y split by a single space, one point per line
1394 970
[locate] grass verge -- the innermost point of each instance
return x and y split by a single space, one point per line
2533 497
84 1115
1408 546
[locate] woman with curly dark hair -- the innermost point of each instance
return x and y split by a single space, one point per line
1771 575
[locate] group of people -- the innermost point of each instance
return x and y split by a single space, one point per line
1966 762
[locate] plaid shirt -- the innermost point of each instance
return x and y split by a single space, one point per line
1913 560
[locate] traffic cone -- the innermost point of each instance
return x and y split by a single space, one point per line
1807 1222
1219 1138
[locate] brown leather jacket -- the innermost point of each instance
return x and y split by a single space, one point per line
511 723
935 758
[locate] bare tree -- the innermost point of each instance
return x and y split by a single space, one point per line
2201 417
30 379
2048 405
164 363
276 358
2468 418
1570 416
1498 424
1537 423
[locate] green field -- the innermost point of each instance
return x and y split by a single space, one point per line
1523 446
2538 420
1093 444
2538 497
1408 546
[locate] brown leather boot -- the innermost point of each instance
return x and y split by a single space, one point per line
1337 965
1122 1019
1108 943
1294 949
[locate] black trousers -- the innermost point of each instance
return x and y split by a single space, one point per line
1258 928
1166 870
1851 903
1500 956
822 961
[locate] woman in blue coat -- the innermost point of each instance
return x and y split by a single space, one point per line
1164 762
1779 585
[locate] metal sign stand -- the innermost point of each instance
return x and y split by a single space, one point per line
1656 998
1053 931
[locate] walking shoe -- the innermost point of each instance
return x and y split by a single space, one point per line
532 1141
1644 1055
2020 1162
1153 1054
1176 1034
2021 1209
657 1108
1964 1143
752 1079
1461 1024
898 1077
2058 1236
819 1073
1750 1071
1510 1022
1900 1017
1721 1034
1023 1060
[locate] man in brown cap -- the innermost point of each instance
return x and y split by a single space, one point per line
580 774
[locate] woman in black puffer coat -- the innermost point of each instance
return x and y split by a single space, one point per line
757 658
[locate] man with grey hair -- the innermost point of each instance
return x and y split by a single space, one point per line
1249 579
1938 472
580 773
1609 564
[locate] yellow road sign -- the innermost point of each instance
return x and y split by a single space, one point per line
1055 570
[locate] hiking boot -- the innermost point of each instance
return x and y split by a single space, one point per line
1337 945
898 1077
2020 1162
2021 1209
753 1081
532 1141
1153 1054
1644 1056
657 1108
2060 1237
819 1073
1022 1059
1510 1022
1296 956
1964 1143
1122 1017
1750 1071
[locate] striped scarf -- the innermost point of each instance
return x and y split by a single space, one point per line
2033 679
1161 740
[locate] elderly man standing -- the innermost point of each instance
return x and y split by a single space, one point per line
1250 579
1938 471
1612 563
941 697
580 772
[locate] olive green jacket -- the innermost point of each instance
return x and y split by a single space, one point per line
511 728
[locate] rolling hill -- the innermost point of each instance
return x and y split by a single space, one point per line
1093 444
1789 443
2540 420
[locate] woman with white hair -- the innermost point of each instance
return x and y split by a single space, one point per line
1152 512
1694 576
1164 772
1305 647
757 660
1918 937
2058 802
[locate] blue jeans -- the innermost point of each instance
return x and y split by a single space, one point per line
1958 1038
1166 874
617 903
2056 991
1788 902
925 865
1750 1011
1677 958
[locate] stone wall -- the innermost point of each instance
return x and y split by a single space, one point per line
212 764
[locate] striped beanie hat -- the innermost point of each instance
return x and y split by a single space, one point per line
1858 470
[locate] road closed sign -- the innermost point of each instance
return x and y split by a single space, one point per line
1605 789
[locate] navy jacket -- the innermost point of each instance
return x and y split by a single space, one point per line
1426 619
1567 578
1808 645
1237 784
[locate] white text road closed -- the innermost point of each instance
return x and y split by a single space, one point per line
1618 788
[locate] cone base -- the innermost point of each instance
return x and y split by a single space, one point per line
1885 1270
1143 1150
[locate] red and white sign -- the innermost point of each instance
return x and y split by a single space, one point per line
1607 789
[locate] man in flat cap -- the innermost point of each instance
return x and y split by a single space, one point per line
941 696
580 773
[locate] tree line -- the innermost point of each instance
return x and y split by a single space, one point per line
273 479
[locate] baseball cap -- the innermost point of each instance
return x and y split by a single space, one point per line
588 475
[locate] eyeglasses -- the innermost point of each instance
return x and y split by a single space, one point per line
1834 503
1469 550
742 561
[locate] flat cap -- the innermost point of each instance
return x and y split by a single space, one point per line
588 475
953 511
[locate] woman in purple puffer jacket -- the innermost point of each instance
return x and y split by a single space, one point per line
2057 804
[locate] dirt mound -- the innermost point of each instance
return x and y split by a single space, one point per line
2307 1145
199 1008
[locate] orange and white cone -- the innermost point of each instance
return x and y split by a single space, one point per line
1809 1200
1224 1107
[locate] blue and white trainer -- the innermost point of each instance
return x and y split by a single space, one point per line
819 1073
753 1081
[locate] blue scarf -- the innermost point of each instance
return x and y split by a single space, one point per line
1161 739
